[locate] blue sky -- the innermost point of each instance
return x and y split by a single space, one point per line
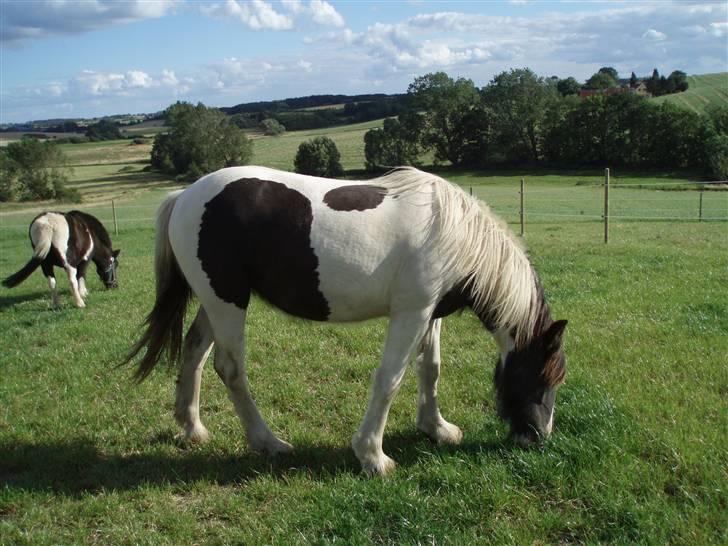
65 58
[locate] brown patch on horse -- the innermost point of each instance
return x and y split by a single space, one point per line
256 235
355 197
554 371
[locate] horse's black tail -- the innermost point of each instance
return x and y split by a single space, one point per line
164 323
41 235
16 278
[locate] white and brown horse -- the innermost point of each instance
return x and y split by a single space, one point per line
69 240
408 245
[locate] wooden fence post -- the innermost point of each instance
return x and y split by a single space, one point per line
113 213
700 211
606 205
523 217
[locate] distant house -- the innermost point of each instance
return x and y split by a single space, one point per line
640 89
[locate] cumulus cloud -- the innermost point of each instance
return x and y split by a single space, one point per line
628 36
324 13
553 42
255 14
22 23
654 35
259 15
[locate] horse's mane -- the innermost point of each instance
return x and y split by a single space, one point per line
479 247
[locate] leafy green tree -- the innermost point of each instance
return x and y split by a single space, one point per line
678 81
9 183
568 86
103 130
603 130
716 155
30 170
319 157
389 146
678 137
611 71
271 127
518 101
653 84
633 80
200 140
718 116
601 80
445 104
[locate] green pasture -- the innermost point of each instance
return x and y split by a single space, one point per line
638 453
703 90
279 152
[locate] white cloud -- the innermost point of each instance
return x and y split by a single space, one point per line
324 13
137 78
255 14
305 65
23 22
294 6
719 29
654 35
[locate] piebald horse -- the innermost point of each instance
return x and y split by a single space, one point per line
70 241
407 245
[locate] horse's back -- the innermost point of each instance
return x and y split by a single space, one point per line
317 248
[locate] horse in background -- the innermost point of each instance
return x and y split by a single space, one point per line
407 245
69 240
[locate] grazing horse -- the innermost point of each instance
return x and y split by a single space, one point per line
69 241
407 245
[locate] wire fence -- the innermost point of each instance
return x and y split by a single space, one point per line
519 204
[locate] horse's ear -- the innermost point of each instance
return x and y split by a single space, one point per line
552 336
116 253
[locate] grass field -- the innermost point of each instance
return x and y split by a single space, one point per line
703 90
638 454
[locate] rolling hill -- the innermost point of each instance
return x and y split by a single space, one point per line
704 90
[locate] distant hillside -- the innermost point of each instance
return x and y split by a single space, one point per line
318 111
306 103
704 90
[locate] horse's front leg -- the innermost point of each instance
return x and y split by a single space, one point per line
197 346
81 277
73 281
228 330
429 419
404 333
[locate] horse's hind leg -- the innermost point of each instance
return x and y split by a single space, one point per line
228 327
429 419
404 333
197 346
47 268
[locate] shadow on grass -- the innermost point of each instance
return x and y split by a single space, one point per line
78 467
9 301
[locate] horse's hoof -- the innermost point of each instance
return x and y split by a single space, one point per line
442 432
196 435
272 446
381 466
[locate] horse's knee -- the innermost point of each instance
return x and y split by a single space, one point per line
227 369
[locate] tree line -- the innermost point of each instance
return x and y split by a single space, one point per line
520 117
517 118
